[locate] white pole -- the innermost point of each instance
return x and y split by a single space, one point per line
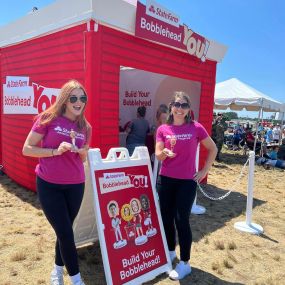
197 209
248 226
155 170
250 184
260 115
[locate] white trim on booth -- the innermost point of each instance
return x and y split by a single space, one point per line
62 14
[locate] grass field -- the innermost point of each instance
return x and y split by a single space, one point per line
220 253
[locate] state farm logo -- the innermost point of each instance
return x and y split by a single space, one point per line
58 129
157 11
151 9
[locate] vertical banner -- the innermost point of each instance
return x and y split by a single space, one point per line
130 231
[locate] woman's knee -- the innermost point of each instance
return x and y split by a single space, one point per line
65 234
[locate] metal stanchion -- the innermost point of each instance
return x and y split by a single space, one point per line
197 209
248 226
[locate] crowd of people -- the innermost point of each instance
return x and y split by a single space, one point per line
268 140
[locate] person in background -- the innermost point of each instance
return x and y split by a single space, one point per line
273 152
137 130
260 131
283 131
238 136
64 134
176 147
213 133
250 139
276 133
269 135
218 133
161 117
281 151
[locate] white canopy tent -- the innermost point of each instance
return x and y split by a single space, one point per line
237 95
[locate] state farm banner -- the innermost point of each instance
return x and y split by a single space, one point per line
149 89
157 23
130 229
21 96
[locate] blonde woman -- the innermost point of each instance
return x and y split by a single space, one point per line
60 139
176 147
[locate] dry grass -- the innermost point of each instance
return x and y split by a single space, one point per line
220 253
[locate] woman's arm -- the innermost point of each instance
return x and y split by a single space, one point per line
32 149
83 152
162 153
209 144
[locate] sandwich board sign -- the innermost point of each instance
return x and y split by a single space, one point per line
129 225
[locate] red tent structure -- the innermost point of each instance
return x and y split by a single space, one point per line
89 41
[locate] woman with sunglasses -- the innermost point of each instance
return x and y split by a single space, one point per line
60 139
176 147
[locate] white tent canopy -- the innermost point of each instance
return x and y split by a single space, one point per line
237 95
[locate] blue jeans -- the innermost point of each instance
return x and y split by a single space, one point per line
176 197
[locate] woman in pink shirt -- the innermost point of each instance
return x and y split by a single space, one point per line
64 135
176 147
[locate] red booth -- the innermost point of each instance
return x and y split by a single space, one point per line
90 41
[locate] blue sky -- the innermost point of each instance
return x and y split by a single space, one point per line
253 30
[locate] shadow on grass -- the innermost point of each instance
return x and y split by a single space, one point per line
197 277
22 193
218 213
233 157
92 271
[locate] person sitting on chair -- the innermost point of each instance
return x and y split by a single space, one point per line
281 151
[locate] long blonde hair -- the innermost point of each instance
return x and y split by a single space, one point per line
183 96
59 106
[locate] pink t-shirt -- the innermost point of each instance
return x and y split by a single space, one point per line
185 139
68 167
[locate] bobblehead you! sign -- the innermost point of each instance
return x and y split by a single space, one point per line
156 23
131 228
22 97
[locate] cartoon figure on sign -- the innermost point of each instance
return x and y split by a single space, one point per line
135 210
127 216
113 211
151 231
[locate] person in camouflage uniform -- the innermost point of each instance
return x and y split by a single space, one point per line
218 132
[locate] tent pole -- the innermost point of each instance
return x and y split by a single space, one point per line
260 115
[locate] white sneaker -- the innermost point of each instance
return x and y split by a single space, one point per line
181 270
172 255
56 278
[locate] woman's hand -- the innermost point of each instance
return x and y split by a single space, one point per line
212 152
83 152
63 147
169 153
162 152
200 175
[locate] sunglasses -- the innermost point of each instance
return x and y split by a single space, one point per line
73 99
181 105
